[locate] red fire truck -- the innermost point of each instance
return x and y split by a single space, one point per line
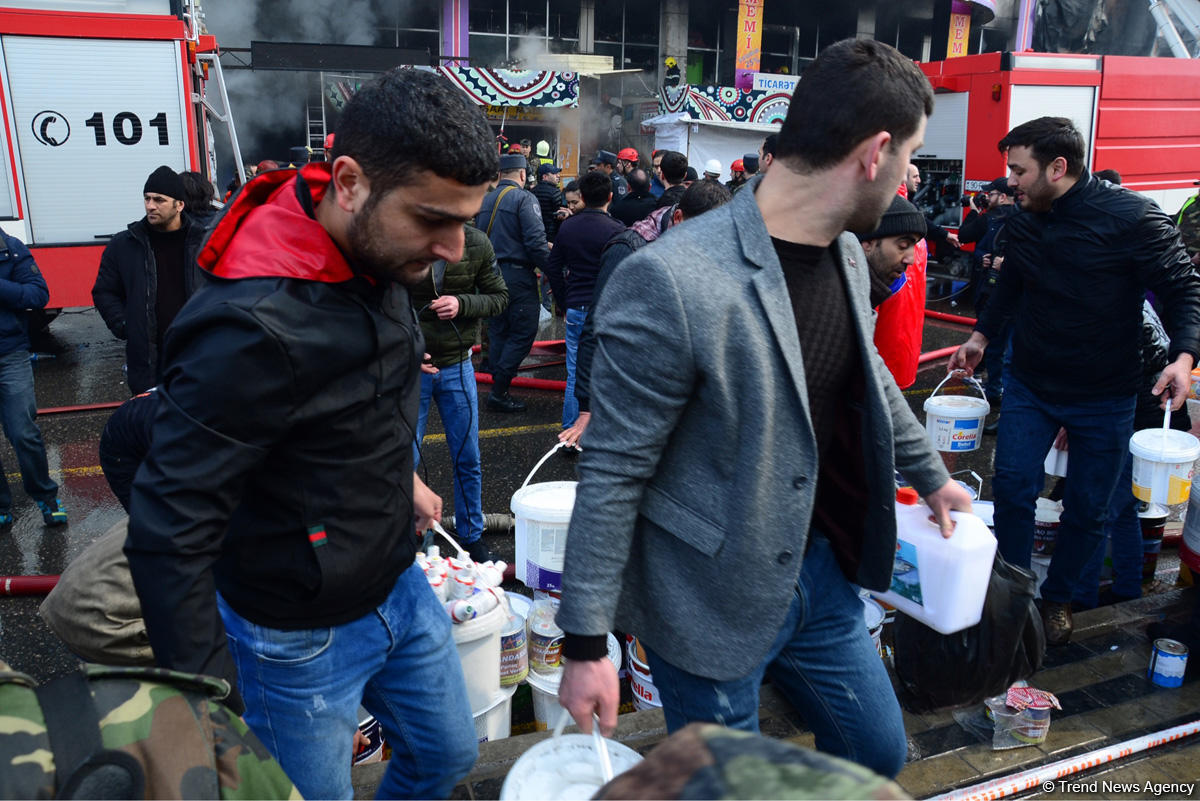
95 94
1138 116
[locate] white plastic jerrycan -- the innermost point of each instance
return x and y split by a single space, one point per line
940 582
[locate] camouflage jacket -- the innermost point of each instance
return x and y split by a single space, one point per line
1188 220
187 744
703 760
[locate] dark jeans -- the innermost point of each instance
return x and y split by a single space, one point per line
995 358
512 332
1098 431
18 408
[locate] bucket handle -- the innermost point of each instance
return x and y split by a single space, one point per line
978 481
542 461
966 380
606 769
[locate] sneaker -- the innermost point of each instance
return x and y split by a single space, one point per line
479 551
504 403
1056 619
53 512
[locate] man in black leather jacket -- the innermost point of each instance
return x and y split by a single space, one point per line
1080 256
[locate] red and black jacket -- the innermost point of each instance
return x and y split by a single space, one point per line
281 467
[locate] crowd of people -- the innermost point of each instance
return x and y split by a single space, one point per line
736 353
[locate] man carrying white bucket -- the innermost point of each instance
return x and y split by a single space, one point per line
738 472
1081 254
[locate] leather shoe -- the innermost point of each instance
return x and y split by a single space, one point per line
504 403
1056 620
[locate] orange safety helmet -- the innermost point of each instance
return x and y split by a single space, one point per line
737 166
628 154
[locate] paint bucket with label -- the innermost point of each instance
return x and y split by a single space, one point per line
1168 661
545 639
955 422
546 708
873 614
478 644
1153 520
514 652
1162 465
542 515
641 682
1047 517
371 748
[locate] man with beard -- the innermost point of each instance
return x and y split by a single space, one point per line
278 503
1080 255
741 418
892 248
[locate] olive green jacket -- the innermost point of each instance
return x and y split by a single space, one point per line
475 280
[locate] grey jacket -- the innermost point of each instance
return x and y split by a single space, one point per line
518 234
698 474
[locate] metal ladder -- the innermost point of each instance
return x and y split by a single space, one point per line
316 126
1187 12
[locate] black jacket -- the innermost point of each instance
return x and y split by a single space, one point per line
671 196
632 208
126 290
1074 279
575 261
550 200
281 466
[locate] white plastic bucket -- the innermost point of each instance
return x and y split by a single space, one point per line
564 767
543 513
546 708
641 681
873 616
1056 462
1047 517
495 722
955 422
478 643
1162 465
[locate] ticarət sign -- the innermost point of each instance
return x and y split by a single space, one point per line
768 82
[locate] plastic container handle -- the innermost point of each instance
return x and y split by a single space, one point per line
437 527
966 380
542 461
606 769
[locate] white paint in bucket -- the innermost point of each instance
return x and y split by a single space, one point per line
1162 465
874 615
955 422
564 767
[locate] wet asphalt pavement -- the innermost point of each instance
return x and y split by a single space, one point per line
86 369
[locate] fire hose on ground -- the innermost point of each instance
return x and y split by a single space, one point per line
1047 777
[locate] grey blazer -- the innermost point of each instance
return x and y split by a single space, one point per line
698 476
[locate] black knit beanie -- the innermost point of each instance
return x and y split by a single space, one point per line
901 217
165 181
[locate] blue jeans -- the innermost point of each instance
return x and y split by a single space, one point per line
824 662
303 688
1098 432
1125 531
18 408
453 388
575 319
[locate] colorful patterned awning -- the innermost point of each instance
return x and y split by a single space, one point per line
540 89
726 103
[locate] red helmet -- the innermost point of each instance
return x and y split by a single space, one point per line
628 154
737 166
329 142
